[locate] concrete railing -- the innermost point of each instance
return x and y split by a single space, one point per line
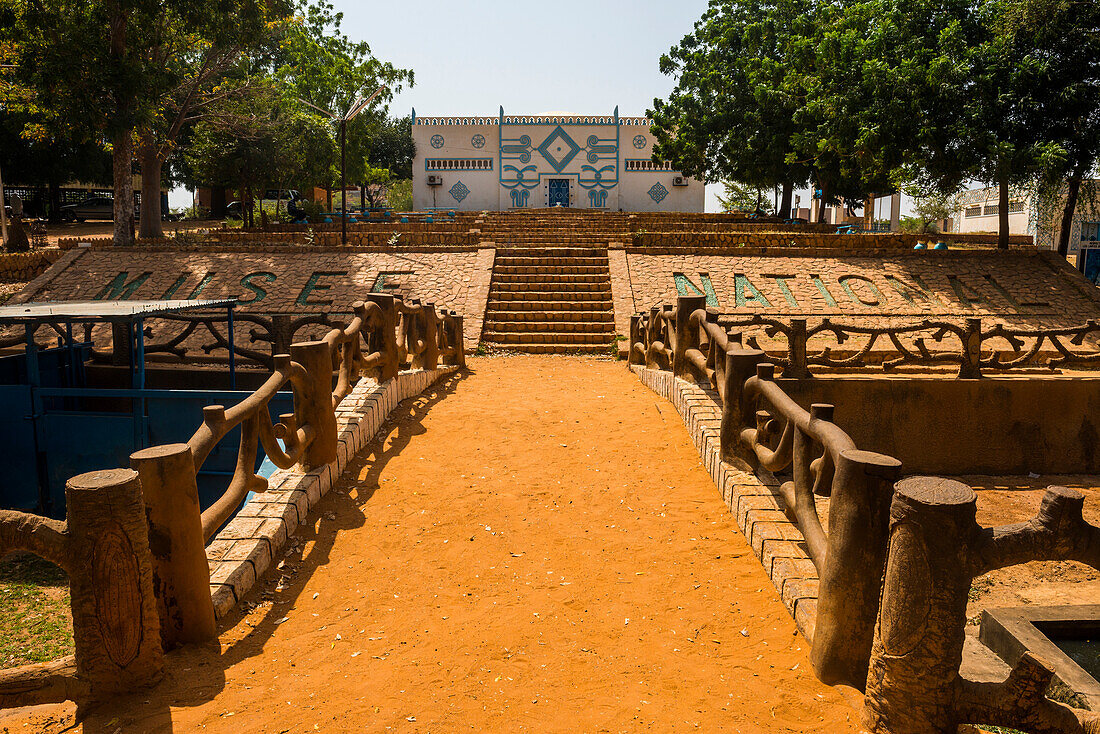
796 346
899 556
134 541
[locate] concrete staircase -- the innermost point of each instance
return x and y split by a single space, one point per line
551 286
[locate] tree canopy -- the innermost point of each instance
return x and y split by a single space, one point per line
860 97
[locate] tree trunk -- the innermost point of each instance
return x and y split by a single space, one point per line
122 157
54 200
785 202
1002 214
1067 214
122 163
821 205
151 166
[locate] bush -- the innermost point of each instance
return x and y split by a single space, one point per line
400 195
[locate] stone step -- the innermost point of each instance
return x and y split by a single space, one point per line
546 337
502 316
545 277
545 348
600 252
536 327
549 306
555 286
499 269
549 260
587 297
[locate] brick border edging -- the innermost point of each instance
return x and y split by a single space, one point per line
754 500
248 545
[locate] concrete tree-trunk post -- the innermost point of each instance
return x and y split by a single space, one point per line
685 338
636 338
313 403
116 627
740 366
796 356
918 642
386 341
971 366
281 334
455 339
181 575
851 576
429 358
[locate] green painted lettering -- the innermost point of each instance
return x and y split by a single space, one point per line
846 284
312 285
171 291
829 300
380 283
741 284
202 285
781 282
965 293
1009 297
118 289
683 283
259 293
912 291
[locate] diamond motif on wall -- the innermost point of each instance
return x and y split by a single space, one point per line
478 141
437 141
558 149
460 192
657 192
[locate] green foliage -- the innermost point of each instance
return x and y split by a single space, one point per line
259 140
737 197
861 96
400 195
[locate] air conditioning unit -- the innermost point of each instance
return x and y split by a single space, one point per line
679 181
435 180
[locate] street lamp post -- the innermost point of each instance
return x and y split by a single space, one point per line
357 106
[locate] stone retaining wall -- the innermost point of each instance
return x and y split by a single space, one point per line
250 543
782 237
24 266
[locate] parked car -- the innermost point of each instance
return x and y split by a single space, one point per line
94 207
274 196
233 210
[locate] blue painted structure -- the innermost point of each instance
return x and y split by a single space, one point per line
57 424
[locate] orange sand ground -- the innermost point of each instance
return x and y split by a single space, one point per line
533 547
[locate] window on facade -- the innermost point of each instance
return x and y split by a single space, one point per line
458 164
647 165
992 210
1015 207
974 211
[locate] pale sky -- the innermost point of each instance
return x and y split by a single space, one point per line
472 56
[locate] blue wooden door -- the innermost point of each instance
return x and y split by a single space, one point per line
559 192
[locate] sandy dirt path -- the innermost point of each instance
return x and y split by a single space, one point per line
532 547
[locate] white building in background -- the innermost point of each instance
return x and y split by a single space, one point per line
980 210
527 162
1033 213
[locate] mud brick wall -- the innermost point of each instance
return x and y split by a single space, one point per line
730 237
1025 289
277 279
23 266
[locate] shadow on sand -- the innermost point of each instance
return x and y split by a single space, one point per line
196 674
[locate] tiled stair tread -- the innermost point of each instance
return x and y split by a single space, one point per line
532 327
551 285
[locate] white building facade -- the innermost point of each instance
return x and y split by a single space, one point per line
1034 212
528 162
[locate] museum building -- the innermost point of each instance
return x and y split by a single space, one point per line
526 162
